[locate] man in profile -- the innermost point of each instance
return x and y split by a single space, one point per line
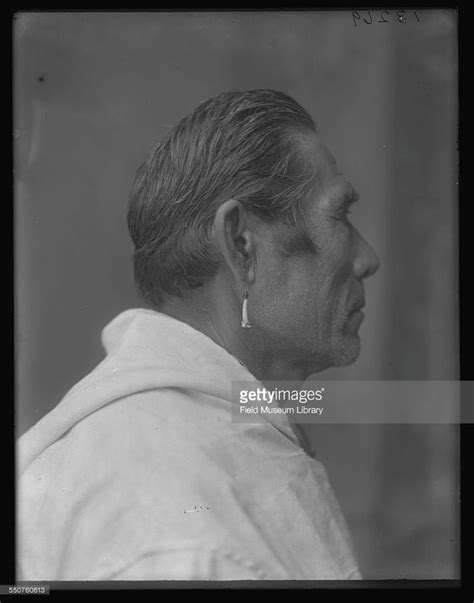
251 271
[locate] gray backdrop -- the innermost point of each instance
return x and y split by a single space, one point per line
94 92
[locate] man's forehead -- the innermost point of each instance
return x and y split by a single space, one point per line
331 184
325 164
317 150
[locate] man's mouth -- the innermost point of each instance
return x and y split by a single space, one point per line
355 318
357 307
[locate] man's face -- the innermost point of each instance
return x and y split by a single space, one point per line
308 304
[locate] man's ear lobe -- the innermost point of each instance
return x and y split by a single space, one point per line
235 239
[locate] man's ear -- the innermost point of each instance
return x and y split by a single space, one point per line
235 240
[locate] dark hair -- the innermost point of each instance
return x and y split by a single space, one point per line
237 145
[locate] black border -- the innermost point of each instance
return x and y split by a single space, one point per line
463 589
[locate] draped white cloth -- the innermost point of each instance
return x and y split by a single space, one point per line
139 473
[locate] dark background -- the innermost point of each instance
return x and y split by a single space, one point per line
95 91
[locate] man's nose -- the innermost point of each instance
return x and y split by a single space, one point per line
366 261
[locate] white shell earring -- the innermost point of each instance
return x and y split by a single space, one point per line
245 317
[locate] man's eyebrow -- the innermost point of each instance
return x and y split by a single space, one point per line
346 197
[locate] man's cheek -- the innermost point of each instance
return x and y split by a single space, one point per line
337 267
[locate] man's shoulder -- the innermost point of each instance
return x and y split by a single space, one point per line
166 431
141 474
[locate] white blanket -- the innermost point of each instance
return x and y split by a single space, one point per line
139 473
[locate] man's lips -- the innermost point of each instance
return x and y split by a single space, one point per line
357 308
356 316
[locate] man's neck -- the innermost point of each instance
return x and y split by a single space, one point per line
224 328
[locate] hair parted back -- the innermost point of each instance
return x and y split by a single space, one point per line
238 145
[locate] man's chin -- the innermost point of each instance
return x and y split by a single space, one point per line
347 350
343 352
